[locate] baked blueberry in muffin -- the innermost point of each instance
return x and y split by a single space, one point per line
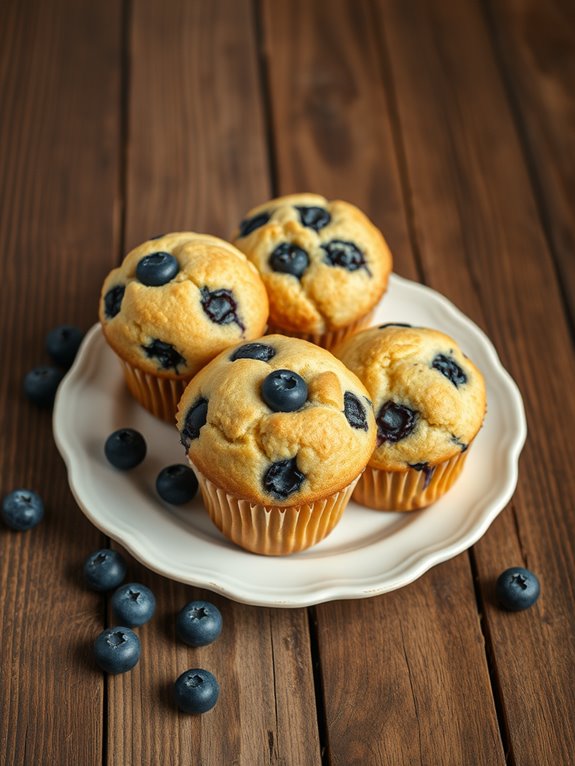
429 401
278 431
175 303
324 263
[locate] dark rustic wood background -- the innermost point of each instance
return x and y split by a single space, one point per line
452 124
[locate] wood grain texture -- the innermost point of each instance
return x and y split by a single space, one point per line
481 240
58 184
197 160
403 682
535 43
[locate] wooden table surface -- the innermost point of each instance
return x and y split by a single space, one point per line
452 124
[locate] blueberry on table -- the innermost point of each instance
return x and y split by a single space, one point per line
22 509
157 269
133 604
41 384
177 484
199 623
284 391
289 259
62 344
196 691
104 570
517 589
117 650
125 448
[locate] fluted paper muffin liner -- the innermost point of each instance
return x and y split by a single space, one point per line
408 490
273 530
160 396
330 339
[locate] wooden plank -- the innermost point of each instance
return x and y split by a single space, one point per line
58 184
535 43
197 160
481 241
403 682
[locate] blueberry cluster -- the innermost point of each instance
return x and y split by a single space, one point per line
117 649
41 383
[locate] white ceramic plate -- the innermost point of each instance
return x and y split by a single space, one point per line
368 553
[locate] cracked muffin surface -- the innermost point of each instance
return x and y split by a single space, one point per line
324 263
272 456
178 300
429 399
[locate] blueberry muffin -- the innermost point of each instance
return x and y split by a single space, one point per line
324 264
278 431
429 402
175 303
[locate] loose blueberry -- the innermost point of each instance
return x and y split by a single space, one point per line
283 478
62 344
448 367
221 306
394 324
41 384
157 269
104 570
125 448
346 255
517 589
117 650
394 422
284 391
133 604
428 471
289 259
254 351
199 623
22 509
195 419
354 411
177 484
196 691
113 301
165 353
251 224
313 217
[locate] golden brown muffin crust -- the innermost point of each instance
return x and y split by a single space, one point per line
326 297
243 436
400 365
173 313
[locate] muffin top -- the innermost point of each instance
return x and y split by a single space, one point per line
278 421
178 300
324 263
428 397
